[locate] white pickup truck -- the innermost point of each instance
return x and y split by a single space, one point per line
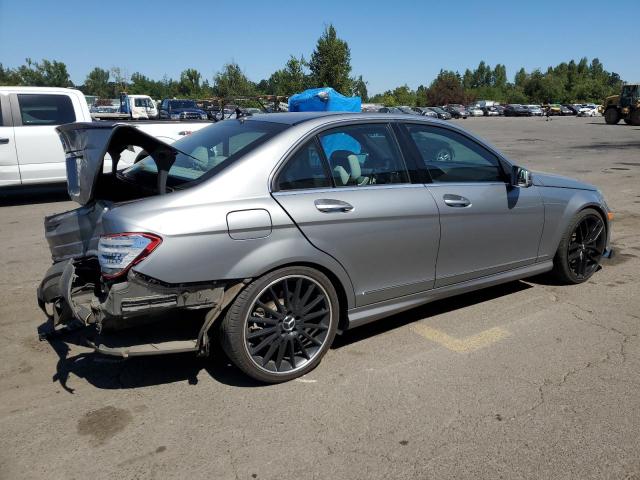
30 149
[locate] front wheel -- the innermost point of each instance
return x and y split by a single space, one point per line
581 248
612 116
282 324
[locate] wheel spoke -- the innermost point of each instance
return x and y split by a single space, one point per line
595 232
307 294
269 354
574 255
264 343
276 300
302 349
266 321
315 302
309 337
287 294
313 315
315 326
260 333
281 351
292 353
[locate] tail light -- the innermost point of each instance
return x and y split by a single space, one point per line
118 253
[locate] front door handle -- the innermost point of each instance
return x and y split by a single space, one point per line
4 141
328 205
456 200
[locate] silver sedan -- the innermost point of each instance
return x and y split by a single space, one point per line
278 232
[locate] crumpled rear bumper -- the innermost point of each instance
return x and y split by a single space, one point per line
72 292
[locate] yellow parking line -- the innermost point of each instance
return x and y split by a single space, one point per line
462 345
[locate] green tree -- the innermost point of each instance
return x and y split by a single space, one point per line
232 81
8 76
293 78
446 88
190 83
97 83
44 74
360 88
330 63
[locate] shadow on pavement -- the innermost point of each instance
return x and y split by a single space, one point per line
31 195
435 308
115 373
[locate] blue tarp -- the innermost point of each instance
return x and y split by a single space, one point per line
323 100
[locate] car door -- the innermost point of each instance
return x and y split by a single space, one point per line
9 171
487 225
349 192
40 153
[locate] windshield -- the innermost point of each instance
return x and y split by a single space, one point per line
183 104
208 151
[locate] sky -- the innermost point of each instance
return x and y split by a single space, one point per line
392 42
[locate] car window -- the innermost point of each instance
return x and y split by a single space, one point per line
452 157
38 109
362 155
209 150
304 170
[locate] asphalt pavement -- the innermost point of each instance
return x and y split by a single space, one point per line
525 380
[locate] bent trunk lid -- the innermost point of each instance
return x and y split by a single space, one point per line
85 146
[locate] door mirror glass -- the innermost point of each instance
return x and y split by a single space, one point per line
521 177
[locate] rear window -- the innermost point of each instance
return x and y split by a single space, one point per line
38 109
207 151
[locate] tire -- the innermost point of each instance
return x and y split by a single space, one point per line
635 117
568 260
612 116
628 121
283 346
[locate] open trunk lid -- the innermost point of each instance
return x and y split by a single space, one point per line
85 146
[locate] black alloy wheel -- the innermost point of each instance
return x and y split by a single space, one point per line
581 248
281 326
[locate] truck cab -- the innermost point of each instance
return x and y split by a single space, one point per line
30 149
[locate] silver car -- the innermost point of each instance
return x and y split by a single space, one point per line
277 232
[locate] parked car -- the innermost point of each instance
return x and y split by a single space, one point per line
442 114
175 109
475 111
490 111
389 110
535 110
499 109
565 111
30 149
575 109
407 110
284 229
425 111
553 108
588 110
456 111
516 110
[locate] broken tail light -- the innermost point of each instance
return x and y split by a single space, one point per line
119 252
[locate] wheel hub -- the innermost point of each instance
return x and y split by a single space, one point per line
288 323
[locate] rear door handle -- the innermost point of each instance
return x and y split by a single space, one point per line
4 141
456 200
328 205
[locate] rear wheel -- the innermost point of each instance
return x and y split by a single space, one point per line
628 121
282 324
581 248
612 116
635 117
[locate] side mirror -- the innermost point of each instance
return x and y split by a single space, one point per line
521 177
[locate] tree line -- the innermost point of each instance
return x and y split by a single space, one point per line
330 65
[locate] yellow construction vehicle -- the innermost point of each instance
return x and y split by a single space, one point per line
625 106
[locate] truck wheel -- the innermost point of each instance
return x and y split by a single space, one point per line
628 121
581 248
612 116
282 324
635 117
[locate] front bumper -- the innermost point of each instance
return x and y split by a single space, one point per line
73 293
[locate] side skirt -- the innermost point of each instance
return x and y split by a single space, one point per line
369 313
